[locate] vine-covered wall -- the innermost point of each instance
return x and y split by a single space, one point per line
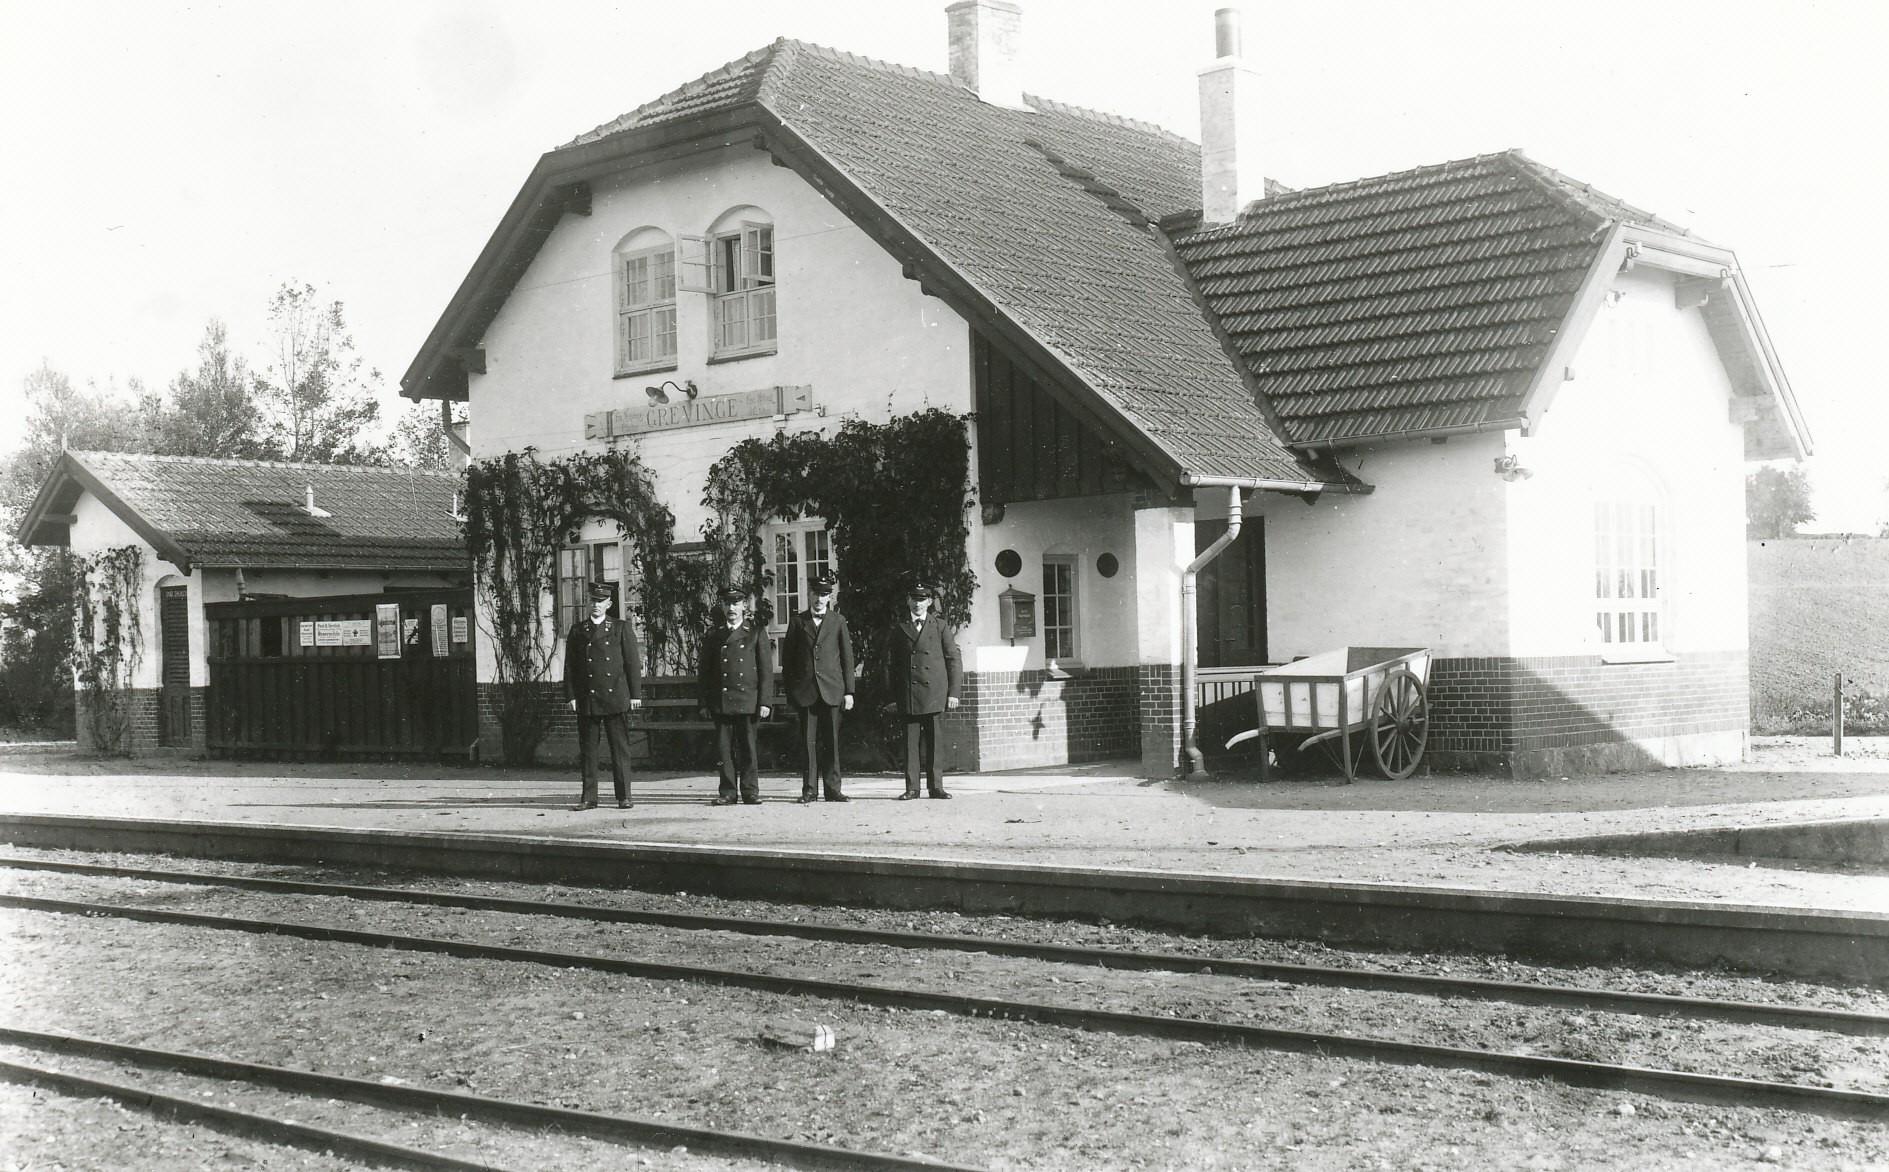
108 643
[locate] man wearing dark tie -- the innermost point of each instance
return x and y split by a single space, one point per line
737 681
603 680
926 675
817 669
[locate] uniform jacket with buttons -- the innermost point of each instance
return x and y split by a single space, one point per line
603 671
737 670
925 667
817 659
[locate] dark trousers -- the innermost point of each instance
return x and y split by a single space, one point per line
820 741
617 727
921 751
734 738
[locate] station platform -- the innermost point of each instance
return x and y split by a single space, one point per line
1446 831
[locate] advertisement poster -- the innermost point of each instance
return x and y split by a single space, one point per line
387 629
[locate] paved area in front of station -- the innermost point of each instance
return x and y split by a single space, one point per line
1441 831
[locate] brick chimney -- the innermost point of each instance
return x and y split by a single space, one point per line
985 37
1230 175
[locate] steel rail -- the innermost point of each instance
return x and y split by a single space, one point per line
1376 980
452 1104
1723 1090
246 1123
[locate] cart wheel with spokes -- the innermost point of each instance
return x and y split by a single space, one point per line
1400 724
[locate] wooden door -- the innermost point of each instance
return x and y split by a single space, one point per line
173 619
1231 607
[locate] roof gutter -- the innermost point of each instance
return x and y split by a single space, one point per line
1511 423
1261 484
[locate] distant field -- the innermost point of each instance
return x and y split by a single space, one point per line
1819 605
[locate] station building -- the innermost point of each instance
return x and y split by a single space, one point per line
271 608
1477 406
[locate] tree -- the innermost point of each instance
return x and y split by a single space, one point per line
212 411
420 440
1777 502
319 399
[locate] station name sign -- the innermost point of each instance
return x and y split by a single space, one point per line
765 403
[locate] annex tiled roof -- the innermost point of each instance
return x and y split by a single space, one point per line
997 195
1419 300
251 513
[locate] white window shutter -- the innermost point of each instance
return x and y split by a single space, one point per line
757 254
696 272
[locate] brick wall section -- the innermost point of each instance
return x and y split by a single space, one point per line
141 728
1158 686
1529 716
1019 719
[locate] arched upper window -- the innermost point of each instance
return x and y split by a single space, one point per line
644 266
734 264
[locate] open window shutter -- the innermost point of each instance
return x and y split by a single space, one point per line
696 273
757 254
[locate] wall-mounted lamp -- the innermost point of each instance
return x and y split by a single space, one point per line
992 513
661 394
1510 469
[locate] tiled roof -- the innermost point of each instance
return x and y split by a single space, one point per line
250 513
990 191
1424 299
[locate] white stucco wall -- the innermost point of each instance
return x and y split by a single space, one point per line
850 326
1418 562
1648 400
97 529
1105 607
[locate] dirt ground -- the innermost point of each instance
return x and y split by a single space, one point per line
1003 1095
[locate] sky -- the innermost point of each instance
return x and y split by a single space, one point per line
167 163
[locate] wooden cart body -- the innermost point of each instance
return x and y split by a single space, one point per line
1336 696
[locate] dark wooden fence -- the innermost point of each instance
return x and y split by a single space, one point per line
290 677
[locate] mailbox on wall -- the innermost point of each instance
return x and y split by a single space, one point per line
1016 614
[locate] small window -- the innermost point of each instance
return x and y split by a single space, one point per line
797 553
741 302
1059 609
646 307
1629 611
578 567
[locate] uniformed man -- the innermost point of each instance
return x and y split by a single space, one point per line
603 679
817 666
737 681
926 675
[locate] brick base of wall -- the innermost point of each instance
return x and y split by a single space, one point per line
1158 688
1562 715
1019 719
142 707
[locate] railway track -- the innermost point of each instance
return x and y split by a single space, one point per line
484 1109
1670 1084
1512 992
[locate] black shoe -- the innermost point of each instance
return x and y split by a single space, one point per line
624 803
725 800
908 795
585 806
838 798
806 799
938 793
750 801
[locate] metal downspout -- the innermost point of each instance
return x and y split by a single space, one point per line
1195 764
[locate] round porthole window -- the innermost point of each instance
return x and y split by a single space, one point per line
1009 562
1107 565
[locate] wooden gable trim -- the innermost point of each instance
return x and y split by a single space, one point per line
1731 319
558 185
65 484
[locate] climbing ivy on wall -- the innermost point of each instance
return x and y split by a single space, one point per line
895 496
520 511
108 642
